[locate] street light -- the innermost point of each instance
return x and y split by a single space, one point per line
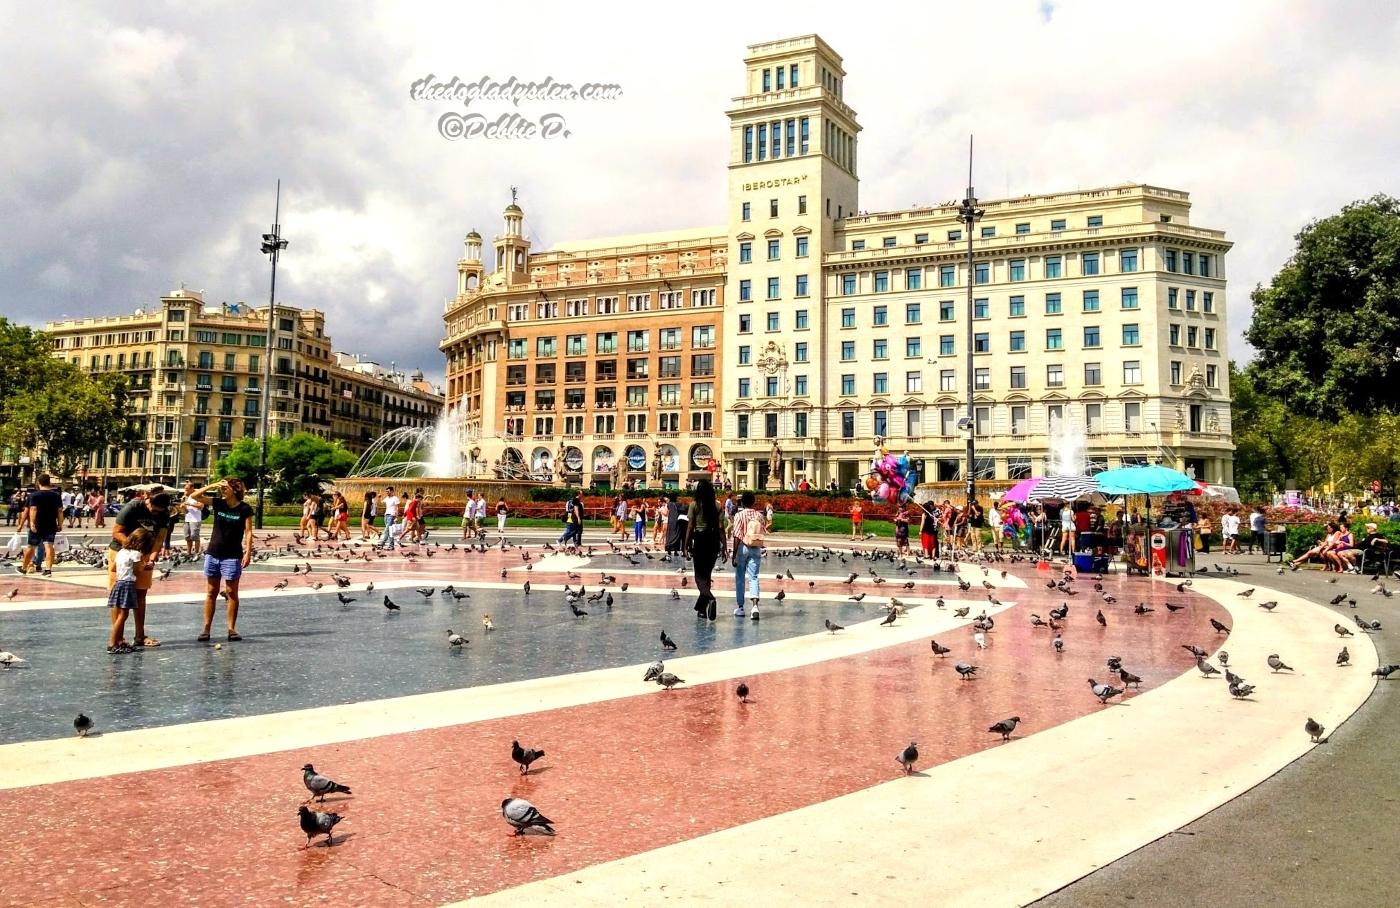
272 246
970 214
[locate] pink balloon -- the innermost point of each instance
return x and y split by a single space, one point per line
883 491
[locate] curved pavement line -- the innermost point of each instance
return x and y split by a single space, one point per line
1051 806
66 759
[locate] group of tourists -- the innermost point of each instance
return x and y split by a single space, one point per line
474 515
76 507
327 513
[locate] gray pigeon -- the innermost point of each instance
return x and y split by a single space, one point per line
1344 657
939 649
1104 691
654 670
668 680
909 756
1385 671
1276 663
1231 677
831 626
1222 657
1128 677
1059 644
1269 606
1239 690
454 639
1341 631
319 785
524 756
524 816
314 823
1005 727
1313 729
965 670
82 725
1206 668
1194 650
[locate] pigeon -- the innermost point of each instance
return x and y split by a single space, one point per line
1194 650
1231 677
668 680
523 815
425 591
742 692
1103 622
280 585
1338 599
1239 690
965 671
831 626
344 599
314 823
1276 663
939 649
667 642
909 756
389 604
857 597
1037 621
1128 677
1313 729
578 612
527 587
8 658
1206 668
1173 607
1059 643
82 725
1223 657
1385 671
1341 631
980 639
962 612
1268 606
524 756
1142 608
319 785
1114 663
1005 727
1104 692
454 639
1344 657
654 670
782 594
1245 594
1219 627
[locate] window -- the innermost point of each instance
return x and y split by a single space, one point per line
1093 418
1053 339
1171 260
982 424
1057 224
1054 266
981 343
913 382
773 323
1190 301
745 252
1132 372
768 80
799 352
1192 335
801 320
1129 298
516 348
1204 270
1172 302
848 317
882 281
981 309
881 422
803 134
1132 417
848 284
1174 335
1188 263
1017 308
880 349
1210 338
1055 376
1018 377
1017 269
1212 376
745 323
945 345
748 146
773 250
799 385
913 347
912 420
770 386
881 316
702 336
1089 264
954 235
989 232
1018 341
802 199
1194 417
1207 301
802 247
745 291
741 425
702 364
982 379
1023 228
881 383
887 242
1128 260
773 288
912 313
546 346
1092 374
772 208
848 351
1018 427
947 381
746 212
1175 371
857 245
745 354
920 239
947 421
1091 301
982 272
1091 336
947 311
1095 220
743 387
1130 335
848 385
848 424
670 338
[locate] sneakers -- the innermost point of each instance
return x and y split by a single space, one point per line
739 612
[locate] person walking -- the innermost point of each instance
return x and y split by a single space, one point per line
153 515
901 531
229 552
98 503
928 530
469 516
704 541
572 537
747 545
411 510
639 520
502 512
674 530
1230 533
368 512
391 516
194 519
45 513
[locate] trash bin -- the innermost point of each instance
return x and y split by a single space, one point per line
1274 544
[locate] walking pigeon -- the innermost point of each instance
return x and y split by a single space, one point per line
668 680
742 692
1223 657
1104 691
1313 729
908 757
1059 644
1341 631
1128 677
831 626
454 639
1103 622
314 823
319 785
1245 594
82 725
1385 671
524 756
1005 727
524 816
965 671
1276 663
1206 668
667 642
939 649
1344 657
1240 690
654 670
1219 627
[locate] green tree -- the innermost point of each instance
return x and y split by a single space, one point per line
1327 327
295 464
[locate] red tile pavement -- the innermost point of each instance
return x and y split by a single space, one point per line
620 777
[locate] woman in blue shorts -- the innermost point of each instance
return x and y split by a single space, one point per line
229 551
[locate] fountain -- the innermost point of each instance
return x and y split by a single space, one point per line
1066 450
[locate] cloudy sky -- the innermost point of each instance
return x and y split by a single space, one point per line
142 141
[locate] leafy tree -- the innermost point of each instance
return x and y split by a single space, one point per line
1327 327
296 464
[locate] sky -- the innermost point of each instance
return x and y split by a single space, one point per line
143 141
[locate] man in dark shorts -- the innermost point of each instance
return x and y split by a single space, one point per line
152 513
45 506
229 551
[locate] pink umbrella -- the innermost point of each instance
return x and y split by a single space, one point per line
1022 490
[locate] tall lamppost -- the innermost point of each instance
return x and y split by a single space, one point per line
970 214
272 246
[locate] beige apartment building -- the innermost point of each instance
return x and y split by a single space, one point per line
1098 314
196 373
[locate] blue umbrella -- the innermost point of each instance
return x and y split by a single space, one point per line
1147 480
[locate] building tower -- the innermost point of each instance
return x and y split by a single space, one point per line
469 265
512 249
792 176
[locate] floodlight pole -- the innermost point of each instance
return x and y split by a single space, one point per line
970 214
272 246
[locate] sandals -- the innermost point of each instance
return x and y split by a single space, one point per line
202 638
149 642
119 649
234 635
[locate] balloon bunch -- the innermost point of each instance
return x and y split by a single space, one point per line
892 477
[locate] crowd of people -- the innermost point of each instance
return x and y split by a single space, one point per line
79 508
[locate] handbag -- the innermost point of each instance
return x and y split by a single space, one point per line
16 544
60 543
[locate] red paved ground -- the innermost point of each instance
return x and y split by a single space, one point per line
620 777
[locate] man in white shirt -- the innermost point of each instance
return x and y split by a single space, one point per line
1230 532
194 516
391 516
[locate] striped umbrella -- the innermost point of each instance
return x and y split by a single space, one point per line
1064 488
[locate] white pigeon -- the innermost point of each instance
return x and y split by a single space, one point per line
980 639
8 658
